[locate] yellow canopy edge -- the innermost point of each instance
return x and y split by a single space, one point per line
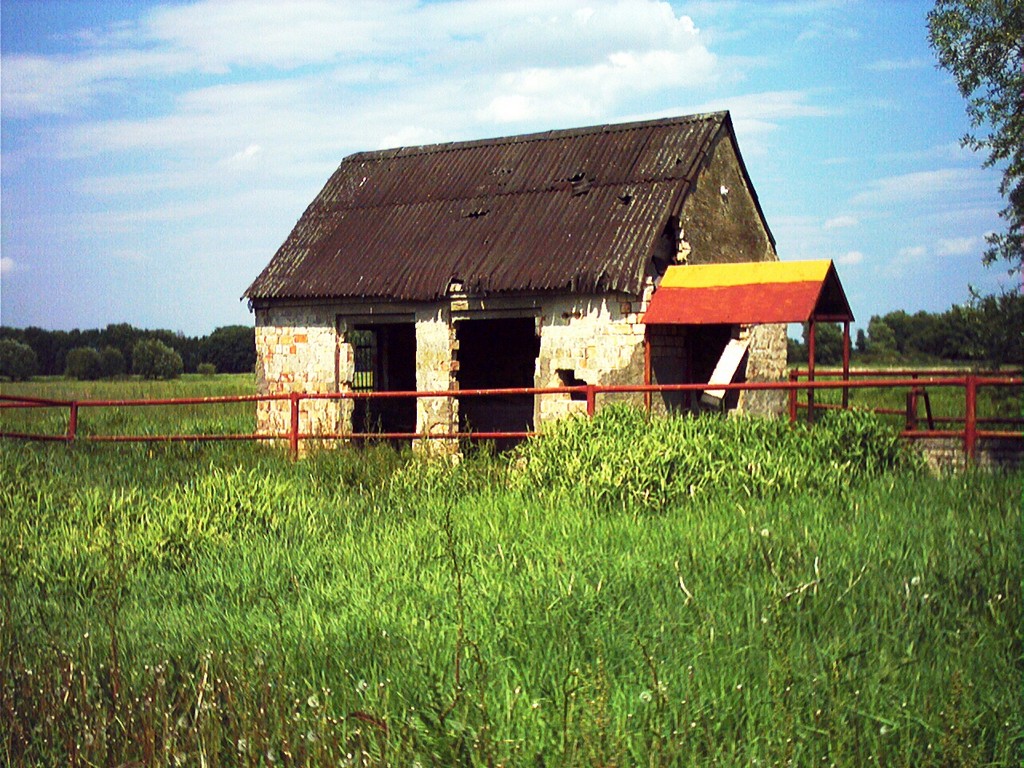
745 273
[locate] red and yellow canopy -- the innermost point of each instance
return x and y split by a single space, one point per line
749 293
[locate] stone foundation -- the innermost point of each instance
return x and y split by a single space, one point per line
947 454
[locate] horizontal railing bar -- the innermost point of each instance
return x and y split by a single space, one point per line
917 380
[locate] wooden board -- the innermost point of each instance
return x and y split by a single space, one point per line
725 370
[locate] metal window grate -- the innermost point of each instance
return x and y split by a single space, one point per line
364 343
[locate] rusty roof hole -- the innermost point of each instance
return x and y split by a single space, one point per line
626 198
475 213
568 378
581 183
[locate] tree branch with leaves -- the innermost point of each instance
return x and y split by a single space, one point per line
981 43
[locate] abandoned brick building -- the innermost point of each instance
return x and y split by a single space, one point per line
525 261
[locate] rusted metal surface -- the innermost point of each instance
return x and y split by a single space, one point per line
971 432
577 210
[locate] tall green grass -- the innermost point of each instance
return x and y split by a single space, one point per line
213 418
569 604
947 403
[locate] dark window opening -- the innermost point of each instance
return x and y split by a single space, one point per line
385 361
496 354
567 378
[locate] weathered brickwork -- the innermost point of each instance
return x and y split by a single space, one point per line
593 340
435 372
585 340
948 455
766 361
296 351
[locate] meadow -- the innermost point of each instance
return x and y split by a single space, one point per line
625 591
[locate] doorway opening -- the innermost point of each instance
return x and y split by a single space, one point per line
497 354
690 354
385 361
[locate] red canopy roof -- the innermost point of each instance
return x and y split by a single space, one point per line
749 293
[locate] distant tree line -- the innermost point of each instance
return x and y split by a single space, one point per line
121 349
987 331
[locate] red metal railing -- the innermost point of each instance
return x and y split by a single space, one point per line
916 382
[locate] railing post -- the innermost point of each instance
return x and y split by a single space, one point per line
591 400
73 422
971 417
293 434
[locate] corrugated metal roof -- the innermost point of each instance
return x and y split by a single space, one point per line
576 210
749 293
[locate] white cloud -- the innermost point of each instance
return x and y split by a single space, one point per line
898 65
913 252
7 265
572 40
841 222
850 258
920 185
244 157
822 30
588 91
958 246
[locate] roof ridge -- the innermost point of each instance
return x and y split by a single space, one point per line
392 153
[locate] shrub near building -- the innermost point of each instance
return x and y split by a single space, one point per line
152 359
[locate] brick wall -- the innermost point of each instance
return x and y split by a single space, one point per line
584 340
593 340
946 454
296 351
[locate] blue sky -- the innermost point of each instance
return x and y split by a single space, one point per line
156 154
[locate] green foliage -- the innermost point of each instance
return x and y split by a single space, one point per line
828 343
881 338
981 43
861 344
985 330
152 359
232 348
17 360
622 457
84 364
206 369
219 604
112 363
998 325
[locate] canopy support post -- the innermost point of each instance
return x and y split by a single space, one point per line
647 369
846 363
810 369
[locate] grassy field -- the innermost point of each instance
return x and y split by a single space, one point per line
211 419
947 403
622 592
